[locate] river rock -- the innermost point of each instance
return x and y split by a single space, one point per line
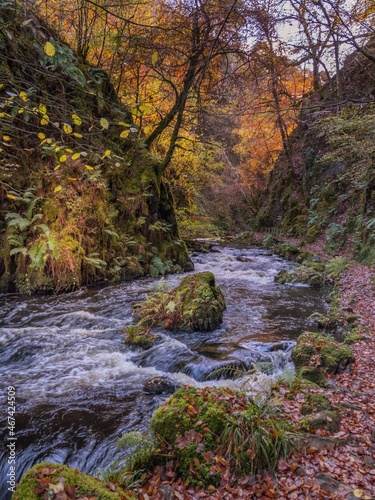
51 478
315 350
325 419
197 304
159 385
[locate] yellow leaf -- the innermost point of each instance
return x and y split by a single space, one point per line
108 152
57 149
154 58
72 178
358 493
6 138
23 96
76 119
62 158
124 134
69 150
147 130
89 167
79 136
1 85
144 108
76 156
20 111
57 189
3 115
44 120
57 167
11 196
104 123
49 49
67 128
42 109
1 149
123 124
41 136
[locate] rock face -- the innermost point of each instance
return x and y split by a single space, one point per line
197 304
313 180
105 218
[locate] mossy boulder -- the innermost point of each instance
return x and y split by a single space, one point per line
318 351
315 402
326 419
50 480
353 337
139 336
302 274
313 374
210 429
203 302
197 304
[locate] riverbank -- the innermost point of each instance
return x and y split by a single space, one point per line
336 464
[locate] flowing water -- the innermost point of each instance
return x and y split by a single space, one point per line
79 387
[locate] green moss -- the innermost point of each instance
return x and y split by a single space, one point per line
139 336
84 485
313 374
197 304
325 419
353 337
210 425
315 402
335 356
319 351
302 274
187 406
203 302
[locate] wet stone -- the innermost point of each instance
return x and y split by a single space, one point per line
159 385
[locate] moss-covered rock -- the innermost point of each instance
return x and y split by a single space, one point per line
302 274
315 402
325 419
197 304
211 428
319 351
353 337
45 480
313 374
139 336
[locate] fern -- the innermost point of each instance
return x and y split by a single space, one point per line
15 220
17 250
94 260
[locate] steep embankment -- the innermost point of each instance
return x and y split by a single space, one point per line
82 199
322 187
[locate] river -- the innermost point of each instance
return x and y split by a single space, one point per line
79 387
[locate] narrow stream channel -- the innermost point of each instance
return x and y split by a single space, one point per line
79 388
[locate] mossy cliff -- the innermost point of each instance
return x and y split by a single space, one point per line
82 199
322 186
